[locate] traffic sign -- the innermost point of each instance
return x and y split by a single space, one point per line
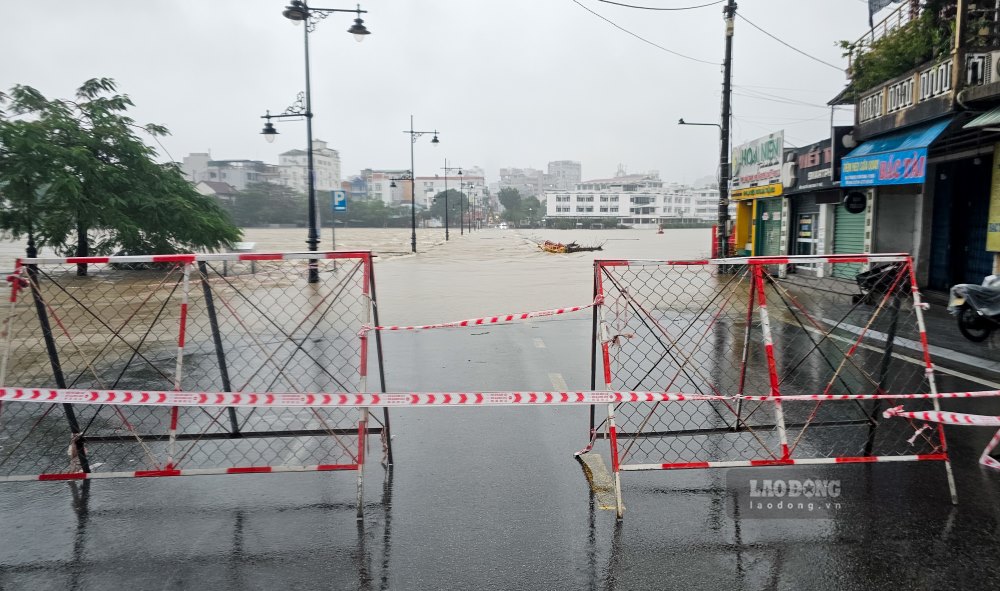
339 200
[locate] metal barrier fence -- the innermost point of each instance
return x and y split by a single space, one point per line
186 323
770 341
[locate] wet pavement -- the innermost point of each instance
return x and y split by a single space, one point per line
492 498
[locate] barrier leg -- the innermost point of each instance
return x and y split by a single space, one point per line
220 352
362 432
765 329
883 372
613 437
79 451
918 307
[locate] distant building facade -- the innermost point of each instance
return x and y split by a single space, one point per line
293 167
199 167
564 174
632 199
529 182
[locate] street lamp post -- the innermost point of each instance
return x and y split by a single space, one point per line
413 201
447 169
461 203
297 12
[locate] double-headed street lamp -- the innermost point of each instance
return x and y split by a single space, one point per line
297 12
413 201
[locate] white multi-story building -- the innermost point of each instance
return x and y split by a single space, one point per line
293 167
633 199
529 182
199 166
380 186
471 185
565 174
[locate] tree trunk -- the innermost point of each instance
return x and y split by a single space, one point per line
82 248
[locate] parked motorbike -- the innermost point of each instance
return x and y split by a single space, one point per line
977 308
874 284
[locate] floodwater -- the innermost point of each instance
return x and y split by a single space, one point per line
387 241
492 498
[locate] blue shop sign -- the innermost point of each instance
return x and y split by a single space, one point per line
896 159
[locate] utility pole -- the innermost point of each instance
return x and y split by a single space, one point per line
729 12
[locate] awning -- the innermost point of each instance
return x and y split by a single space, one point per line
985 120
894 159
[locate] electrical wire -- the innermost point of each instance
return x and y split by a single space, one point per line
795 49
657 8
773 97
643 39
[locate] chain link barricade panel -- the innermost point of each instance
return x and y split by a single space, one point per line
229 325
760 330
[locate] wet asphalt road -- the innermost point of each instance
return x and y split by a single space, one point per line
492 498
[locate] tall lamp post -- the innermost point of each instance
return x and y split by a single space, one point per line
723 244
297 12
413 201
446 170
461 202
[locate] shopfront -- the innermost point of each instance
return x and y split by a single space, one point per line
756 190
811 186
883 184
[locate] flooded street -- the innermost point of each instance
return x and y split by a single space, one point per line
492 498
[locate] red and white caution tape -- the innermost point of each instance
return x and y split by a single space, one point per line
485 320
332 399
167 472
955 418
366 399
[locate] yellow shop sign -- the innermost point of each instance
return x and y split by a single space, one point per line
772 190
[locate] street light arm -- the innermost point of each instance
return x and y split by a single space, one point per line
683 122
328 10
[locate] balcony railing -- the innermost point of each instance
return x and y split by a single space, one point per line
904 14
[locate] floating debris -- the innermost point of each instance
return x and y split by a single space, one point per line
559 247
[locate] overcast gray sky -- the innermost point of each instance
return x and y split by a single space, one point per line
507 83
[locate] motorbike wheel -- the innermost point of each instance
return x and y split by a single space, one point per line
973 326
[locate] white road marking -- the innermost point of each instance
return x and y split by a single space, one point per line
558 382
539 344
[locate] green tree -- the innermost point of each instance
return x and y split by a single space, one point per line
269 203
510 198
456 201
531 210
76 176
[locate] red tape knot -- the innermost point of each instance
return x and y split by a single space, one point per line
599 300
924 306
616 339
363 331
891 412
20 281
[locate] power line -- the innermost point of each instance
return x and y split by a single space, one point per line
656 8
776 99
795 49
643 39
